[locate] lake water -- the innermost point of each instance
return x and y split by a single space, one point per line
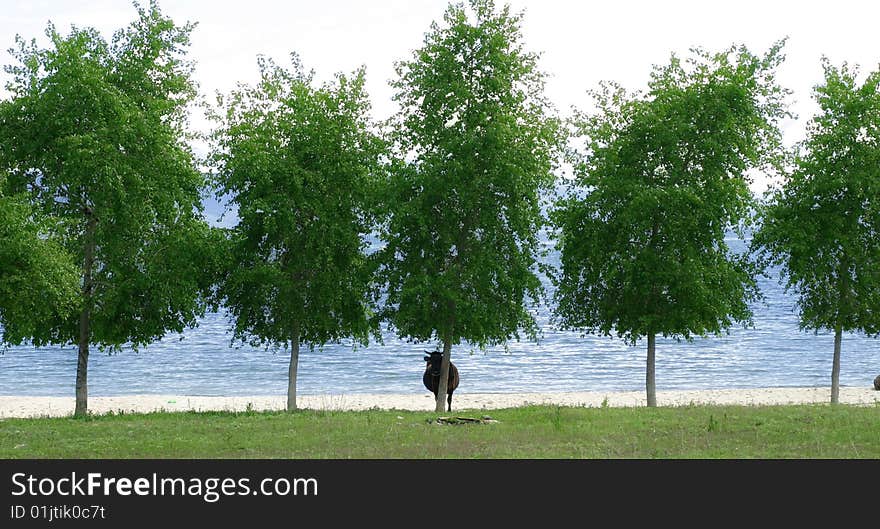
774 353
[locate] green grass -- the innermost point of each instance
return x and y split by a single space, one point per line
810 431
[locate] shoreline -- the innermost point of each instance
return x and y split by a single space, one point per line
25 406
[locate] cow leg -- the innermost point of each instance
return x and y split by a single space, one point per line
449 401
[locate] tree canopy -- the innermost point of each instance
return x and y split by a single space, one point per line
663 177
38 280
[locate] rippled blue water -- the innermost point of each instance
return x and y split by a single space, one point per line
201 362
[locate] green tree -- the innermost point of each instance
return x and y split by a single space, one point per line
822 226
662 179
93 134
299 162
477 144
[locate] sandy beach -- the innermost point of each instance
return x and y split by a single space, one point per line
16 406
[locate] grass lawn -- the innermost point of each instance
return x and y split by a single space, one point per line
809 431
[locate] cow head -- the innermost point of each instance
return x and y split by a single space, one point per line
434 361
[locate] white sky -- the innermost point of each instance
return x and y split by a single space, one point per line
581 42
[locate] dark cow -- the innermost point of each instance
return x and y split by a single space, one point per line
877 383
431 378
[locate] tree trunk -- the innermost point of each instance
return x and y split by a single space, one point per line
835 367
650 385
843 312
85 320
440 405
291 370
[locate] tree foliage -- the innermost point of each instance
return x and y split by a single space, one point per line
479 141
93 135
662 179
300 163
822 226
38 280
